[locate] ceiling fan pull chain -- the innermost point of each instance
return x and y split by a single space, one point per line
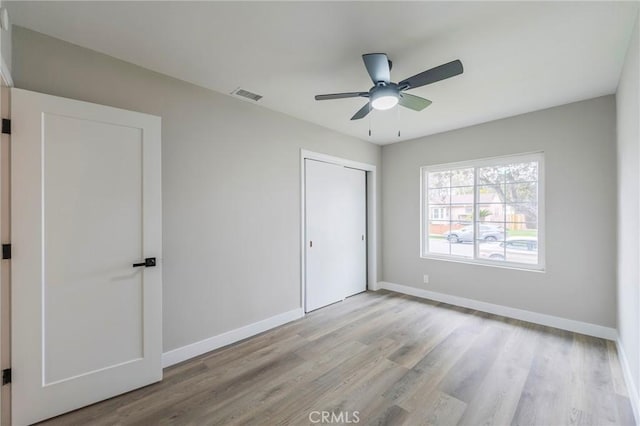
369 125
398 117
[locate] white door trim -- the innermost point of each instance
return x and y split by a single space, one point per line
5 360
372 220
5 237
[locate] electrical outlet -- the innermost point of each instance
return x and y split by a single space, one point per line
426 279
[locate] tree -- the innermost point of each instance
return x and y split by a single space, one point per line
484 213
514 184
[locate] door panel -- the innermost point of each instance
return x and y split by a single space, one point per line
86 206
92 287
355 217
335 210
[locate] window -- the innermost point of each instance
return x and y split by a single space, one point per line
439 213
486 211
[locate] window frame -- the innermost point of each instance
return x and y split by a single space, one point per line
475 164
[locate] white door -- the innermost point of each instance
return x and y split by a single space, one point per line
336 247
86 206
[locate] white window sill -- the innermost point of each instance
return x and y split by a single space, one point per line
502 265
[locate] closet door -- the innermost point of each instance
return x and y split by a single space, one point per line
336 247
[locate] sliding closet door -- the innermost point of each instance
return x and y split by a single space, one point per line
336 247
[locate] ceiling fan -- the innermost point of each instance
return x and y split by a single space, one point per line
386 94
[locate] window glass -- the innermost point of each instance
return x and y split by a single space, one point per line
487 211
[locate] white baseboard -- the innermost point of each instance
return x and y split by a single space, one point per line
632 390
505 311
203 346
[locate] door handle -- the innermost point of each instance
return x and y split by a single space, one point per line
148 263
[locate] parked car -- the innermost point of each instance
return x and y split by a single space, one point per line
465 235
516 249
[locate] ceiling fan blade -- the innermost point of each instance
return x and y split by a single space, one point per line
377 66
413 102
431 76
362 112
342 96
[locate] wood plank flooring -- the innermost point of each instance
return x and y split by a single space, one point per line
386 359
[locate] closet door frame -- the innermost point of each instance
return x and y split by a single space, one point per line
372 222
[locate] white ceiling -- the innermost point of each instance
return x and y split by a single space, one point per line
518 57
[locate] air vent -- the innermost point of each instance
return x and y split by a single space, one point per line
247 94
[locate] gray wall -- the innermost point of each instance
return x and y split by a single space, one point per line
231 184
579 145
627 100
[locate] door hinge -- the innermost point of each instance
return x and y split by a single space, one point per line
6 126
6 376
6 251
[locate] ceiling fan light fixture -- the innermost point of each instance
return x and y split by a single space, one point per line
384 102
384 98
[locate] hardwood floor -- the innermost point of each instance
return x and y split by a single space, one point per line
383 358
